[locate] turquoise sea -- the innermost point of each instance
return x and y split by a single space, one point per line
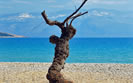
82 50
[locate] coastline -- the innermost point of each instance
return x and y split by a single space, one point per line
23 72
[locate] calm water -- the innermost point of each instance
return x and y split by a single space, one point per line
82 50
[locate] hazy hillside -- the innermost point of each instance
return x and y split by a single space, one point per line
97 23
7 35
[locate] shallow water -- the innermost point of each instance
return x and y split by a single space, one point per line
82 50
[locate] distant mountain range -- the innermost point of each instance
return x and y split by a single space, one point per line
7 35
97 23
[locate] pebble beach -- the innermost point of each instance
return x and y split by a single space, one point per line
76 72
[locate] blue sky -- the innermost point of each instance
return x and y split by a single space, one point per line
11 6
112 14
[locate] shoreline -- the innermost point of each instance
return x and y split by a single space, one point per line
68 63
35 72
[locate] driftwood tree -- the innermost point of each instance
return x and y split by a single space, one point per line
62 45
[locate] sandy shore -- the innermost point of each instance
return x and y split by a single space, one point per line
78 73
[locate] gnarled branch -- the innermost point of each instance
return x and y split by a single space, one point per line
61 24
74 12
79 14
49 22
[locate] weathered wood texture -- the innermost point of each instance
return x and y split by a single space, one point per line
62 46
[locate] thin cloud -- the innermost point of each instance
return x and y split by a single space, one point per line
22 1
1 6
99 13
56 6
17 18
25 15
102 1
59 16
48 1
109 2
96 13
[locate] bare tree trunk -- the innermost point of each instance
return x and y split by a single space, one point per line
62 46
61 53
